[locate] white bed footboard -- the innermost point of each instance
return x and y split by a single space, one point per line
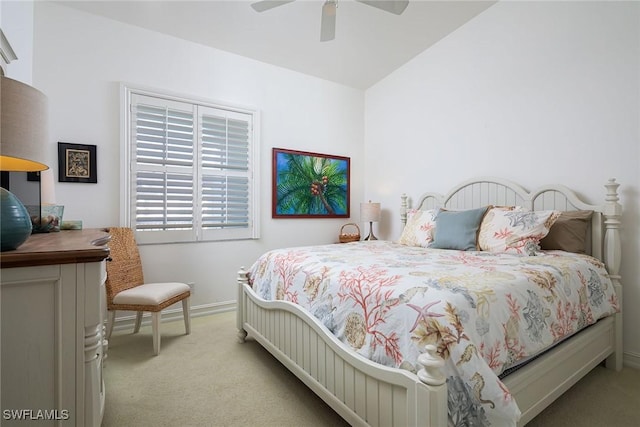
360 391
366 393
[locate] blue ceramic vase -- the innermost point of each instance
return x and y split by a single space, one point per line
15 223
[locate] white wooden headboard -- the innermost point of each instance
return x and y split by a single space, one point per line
605 223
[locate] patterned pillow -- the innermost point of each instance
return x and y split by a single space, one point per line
515 231
419 228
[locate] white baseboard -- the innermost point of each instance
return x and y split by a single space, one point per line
128 321
631 360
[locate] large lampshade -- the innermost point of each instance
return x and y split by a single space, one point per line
23 137
25 127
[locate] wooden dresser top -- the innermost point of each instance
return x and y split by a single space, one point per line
64 247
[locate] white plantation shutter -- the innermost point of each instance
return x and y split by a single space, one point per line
164 201
191 171
225 181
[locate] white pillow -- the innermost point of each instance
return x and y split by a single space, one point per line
514 230
419 228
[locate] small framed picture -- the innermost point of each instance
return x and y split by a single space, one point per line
77 163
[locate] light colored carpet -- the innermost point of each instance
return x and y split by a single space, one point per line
209 379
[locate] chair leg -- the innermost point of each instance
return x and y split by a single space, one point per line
186 312
111 319
136 328
155 326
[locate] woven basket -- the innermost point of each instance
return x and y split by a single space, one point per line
349 237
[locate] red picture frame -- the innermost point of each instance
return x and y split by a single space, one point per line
310 185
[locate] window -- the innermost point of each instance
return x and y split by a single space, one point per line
189 169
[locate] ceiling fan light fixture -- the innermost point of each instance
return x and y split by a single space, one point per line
328 21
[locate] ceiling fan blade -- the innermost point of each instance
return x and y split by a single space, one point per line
261 6
394 6
328 22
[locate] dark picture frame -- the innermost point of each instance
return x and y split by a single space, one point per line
310 185
77 163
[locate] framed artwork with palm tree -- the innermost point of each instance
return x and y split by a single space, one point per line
310 185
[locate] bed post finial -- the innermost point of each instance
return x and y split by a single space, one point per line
612 257
403 209
242 279
612 190
432 363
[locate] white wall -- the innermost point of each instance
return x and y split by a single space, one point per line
79 62
536 92
16 21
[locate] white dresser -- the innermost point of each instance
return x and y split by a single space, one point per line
52 328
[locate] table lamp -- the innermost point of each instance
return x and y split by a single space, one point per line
23 137
370 212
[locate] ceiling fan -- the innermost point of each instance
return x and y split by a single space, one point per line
328 21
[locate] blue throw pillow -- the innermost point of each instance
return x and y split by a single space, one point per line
458 229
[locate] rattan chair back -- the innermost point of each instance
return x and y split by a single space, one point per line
124 271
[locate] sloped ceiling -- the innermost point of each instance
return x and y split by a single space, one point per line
369 44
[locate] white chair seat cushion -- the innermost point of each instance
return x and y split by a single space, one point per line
150 293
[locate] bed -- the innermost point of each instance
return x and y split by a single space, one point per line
405 387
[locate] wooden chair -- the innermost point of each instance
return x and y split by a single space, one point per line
126 289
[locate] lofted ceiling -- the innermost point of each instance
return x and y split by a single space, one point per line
369 43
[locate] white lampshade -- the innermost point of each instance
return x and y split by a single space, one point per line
24 127
369 212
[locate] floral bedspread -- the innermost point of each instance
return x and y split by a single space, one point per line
484 311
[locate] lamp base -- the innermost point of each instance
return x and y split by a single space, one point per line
371 236
15 223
